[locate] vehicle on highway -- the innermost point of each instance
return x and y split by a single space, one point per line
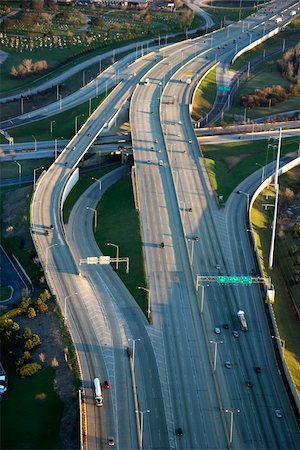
179 432
258 369
190 141
98 392
226 326
217 266
217 330
252 272
161 163
236 334
278 413
249 384
106 384
162 244
242 319
196 238
228 365
111 441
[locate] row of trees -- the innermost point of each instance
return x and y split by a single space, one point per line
289 65
269 96
28 68
21 344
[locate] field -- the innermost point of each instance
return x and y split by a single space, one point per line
229 164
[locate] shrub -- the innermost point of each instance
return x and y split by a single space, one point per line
293 249
29 369
296 230
27 333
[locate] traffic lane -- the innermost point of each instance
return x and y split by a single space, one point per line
11 275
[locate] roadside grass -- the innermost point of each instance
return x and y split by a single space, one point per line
85 180
5 292
63 124
229 164
286 318
9 169
205 95
35 407
227 14
120 224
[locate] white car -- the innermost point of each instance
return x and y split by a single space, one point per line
217 330
160 162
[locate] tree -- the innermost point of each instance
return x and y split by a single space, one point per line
26 355
42 308
37 5
13 72
27 333
296 230
25 302
29 369
31 313
293 249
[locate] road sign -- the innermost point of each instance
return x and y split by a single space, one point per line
189 73
104 260
233 279
224 88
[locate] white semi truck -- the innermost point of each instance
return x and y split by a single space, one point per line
98 392
242 319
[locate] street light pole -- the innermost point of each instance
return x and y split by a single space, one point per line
51 125
231 412
262 172
133 351
142 424
95 217
215 352
117 247
248 198
98 181
34 170
50 246
60 101
19 170
282 342
65 308
149 301
35 143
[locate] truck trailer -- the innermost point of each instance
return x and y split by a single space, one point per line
98 392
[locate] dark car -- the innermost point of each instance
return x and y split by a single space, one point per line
258 369
226 326
106 384
179 432
162 244
249 384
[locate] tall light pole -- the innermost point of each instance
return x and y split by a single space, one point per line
51 125
149 301
50 246
282 342
60 101
99 182
34 171
35 143
95 216
19 170
142 424
118 250
193 245
133 351
262 171
215 352
65 308
248 198
76 122
231 412
253 235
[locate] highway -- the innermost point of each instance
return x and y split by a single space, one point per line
182 390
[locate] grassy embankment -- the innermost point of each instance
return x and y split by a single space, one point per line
284 267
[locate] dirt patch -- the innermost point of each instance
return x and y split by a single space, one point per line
52 353
232 161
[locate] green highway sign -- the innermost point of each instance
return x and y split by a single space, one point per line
233 279
224 88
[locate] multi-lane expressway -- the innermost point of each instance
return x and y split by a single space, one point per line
189 393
